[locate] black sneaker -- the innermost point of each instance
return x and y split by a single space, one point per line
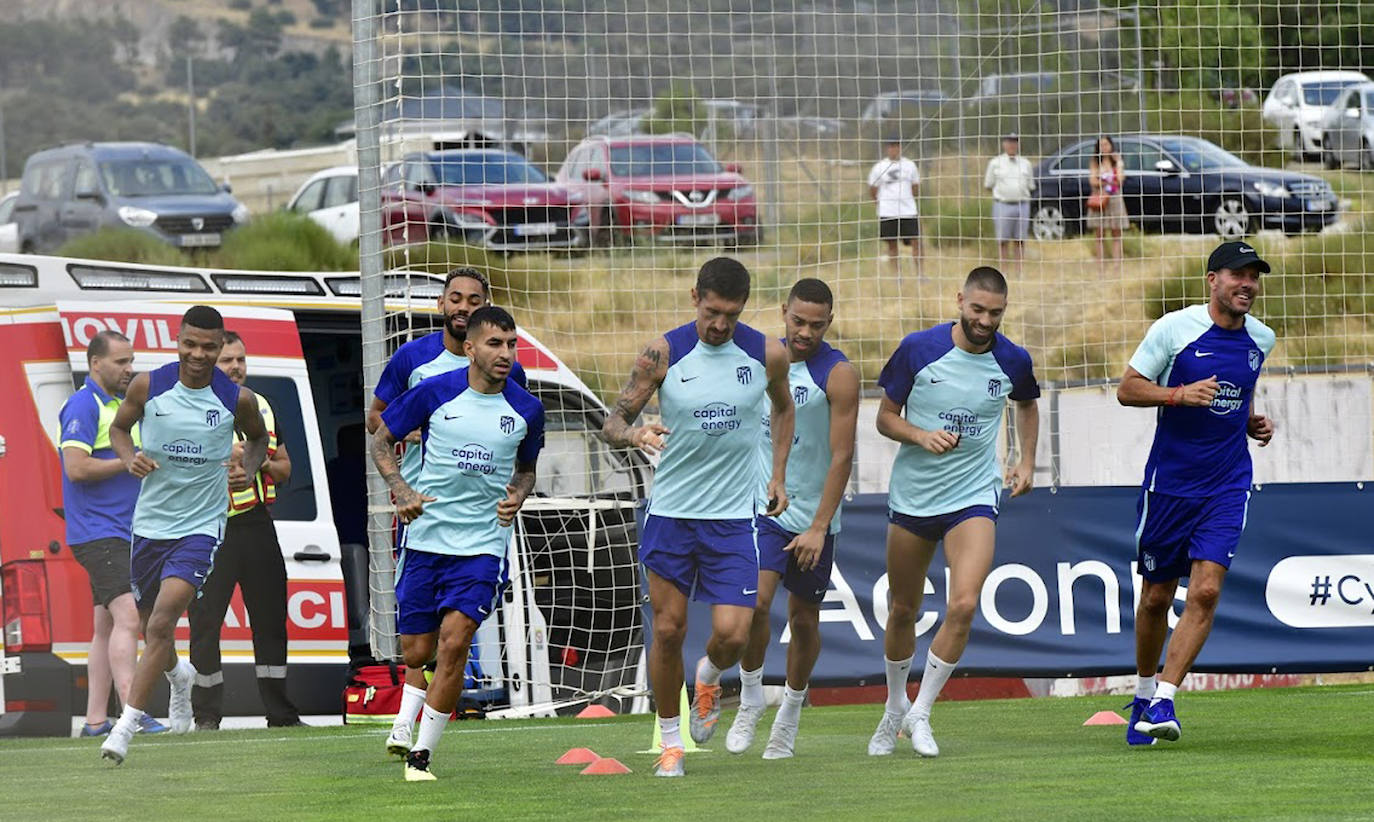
417 767
207 724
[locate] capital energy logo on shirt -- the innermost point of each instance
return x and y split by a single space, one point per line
184 452
474 459
1229 398
961 421
717 418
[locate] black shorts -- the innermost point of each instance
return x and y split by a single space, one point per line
107 564
905 229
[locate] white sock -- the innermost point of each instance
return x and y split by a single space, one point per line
670 731
432 724
411 700
897 672
129 719
707 672
1165 690
936 675
180 672
1145 687
751 688
790 709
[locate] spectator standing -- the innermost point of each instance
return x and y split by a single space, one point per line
893 183
1106 208
1011 180
98 498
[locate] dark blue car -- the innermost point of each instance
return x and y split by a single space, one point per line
1177 183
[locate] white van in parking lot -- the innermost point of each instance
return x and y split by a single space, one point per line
1297 104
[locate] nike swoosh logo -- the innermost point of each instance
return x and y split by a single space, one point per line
819 591
932 382
1203 353
689 379
483 610
747 592
161 413
454 417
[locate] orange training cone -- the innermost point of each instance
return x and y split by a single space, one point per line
578 756
595 712
1105 718
606 765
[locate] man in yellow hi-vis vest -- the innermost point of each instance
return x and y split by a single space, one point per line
250 557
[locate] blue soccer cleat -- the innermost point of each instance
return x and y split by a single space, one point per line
1134 737
97 730
1159 721
148 725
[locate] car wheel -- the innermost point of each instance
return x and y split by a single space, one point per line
1231 219
1366 156
1329 158
1049 223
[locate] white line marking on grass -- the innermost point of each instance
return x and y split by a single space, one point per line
229 737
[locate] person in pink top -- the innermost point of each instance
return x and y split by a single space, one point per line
1106 174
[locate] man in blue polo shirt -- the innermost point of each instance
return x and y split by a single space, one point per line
98 502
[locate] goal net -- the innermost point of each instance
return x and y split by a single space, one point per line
589 155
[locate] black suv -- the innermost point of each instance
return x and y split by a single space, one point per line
1178 183
80 187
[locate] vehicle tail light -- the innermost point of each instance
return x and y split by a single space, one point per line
24 589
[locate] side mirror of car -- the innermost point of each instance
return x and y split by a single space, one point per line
1352 113
733 168
591 175
1166 166
91 194
425 188
226 188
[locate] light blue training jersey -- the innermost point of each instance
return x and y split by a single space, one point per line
470 444
709 400
418 360
189 432
809 460
944 387
1199 452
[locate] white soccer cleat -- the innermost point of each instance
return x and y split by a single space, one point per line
179 715
116 745
741 734
398 742
781 740
922 740
884 740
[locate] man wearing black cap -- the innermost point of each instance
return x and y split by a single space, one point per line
1011 180
892 183
1199 366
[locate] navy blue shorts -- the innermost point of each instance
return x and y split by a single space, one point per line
1172 531
711 560
191 558
934 528
429 585
809 585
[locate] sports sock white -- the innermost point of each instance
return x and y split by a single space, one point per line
932 682
897 671
707 672
790 709
432 724
180 672
1145 687
411 700
1165 690
670 731
751 688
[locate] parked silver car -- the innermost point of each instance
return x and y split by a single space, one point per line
1348 128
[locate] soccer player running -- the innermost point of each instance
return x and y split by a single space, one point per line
954 381
1199 366
711 375
186 412
465 291
798 547
481 435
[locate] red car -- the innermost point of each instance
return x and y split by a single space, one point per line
493 199
668 188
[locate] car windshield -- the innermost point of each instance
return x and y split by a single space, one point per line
155 178
486 170
662 160
1323 94
1200 155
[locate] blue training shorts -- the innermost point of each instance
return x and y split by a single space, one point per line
191 558
1172 531
429 585
809 585
711 560
934 528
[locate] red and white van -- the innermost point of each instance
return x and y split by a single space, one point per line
303 337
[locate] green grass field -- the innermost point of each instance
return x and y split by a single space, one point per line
1266 754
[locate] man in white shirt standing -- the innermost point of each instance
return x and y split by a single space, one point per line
893 183
1011 180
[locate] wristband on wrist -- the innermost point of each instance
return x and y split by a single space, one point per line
1173 396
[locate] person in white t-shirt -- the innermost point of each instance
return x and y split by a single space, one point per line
893 183
1011 179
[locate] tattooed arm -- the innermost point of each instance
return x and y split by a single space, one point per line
650 368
